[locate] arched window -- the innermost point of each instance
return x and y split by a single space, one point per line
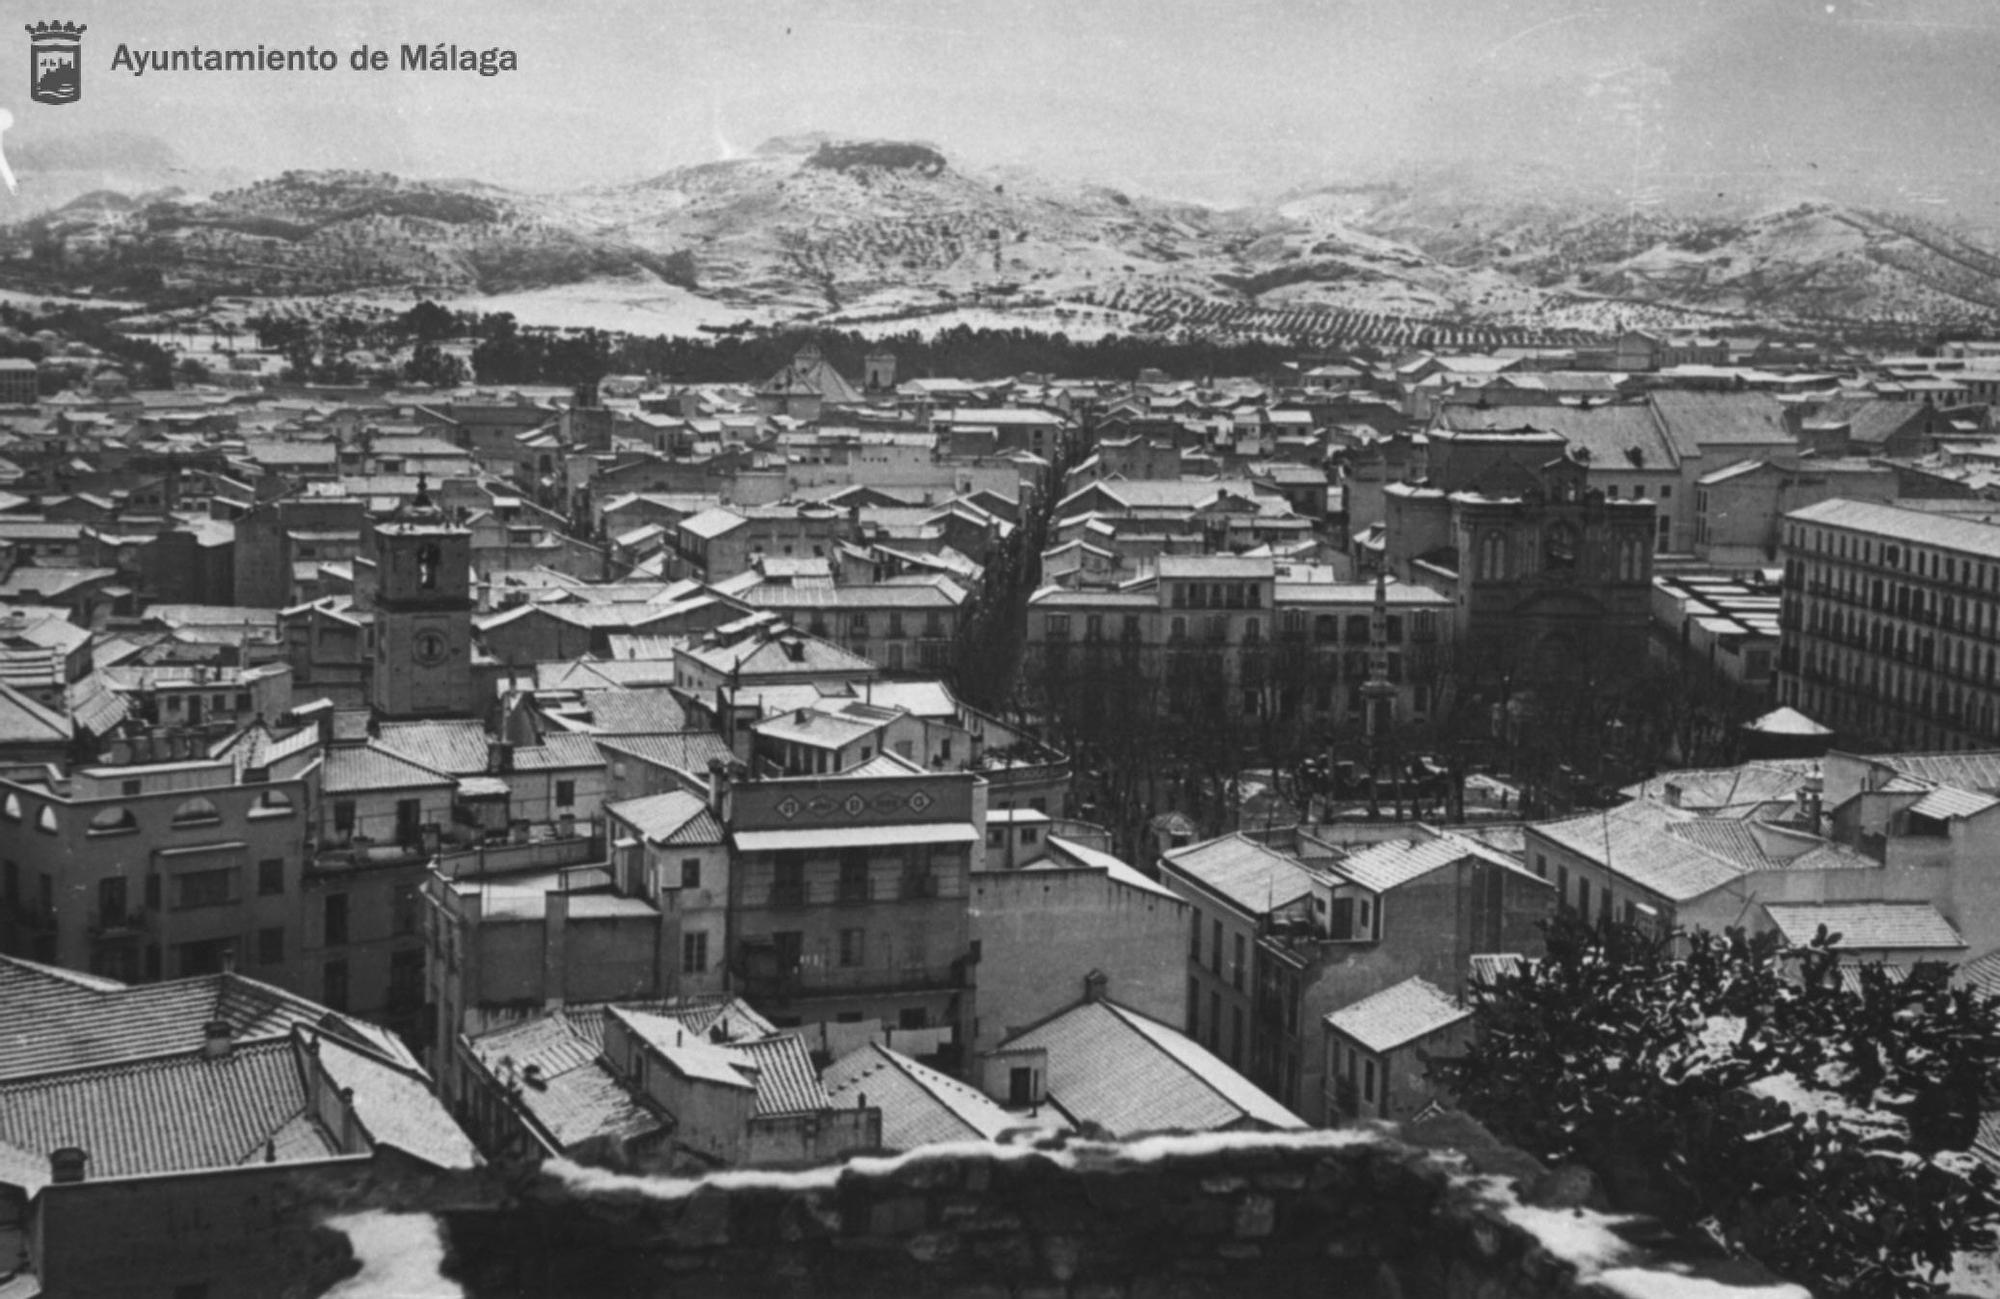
273 802
1559 547
113 820
428 560
12 808
46 822
196 811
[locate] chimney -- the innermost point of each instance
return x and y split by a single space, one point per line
67 1164
216 1039
718 780
1673 794
1094 984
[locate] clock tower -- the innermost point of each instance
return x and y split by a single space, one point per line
423 613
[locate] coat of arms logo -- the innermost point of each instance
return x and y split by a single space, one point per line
55 62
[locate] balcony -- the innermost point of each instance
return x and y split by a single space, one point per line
816 980
831 891
111 926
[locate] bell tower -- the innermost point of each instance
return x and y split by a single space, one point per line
423 613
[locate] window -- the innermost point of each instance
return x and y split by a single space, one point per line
1236 964
272 802
343 816
270 876
694 952
1194 939
1541 866
1236 1037
214 888
565 793
406 910
113 820
690 872
1214 1020
1368 1081
271 946
853 948
1193 1006
333 985
1215 947
335 913
1559 546
111 900
1020 1087
1583 898
913 1017
196 811
788 945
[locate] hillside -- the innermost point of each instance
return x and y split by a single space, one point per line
872 233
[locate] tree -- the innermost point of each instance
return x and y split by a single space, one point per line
1814 1122
428 364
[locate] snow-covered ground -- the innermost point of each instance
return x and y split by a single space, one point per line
402 1257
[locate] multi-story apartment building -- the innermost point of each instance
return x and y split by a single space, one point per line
848 896
159 871
1891 624
1276 640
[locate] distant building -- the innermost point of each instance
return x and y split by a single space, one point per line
150 1137
1890 620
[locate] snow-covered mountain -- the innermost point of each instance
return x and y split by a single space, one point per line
882 232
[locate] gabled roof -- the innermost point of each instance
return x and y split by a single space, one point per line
676 817
919 1105
1628 841
1256 878
1398 1015
355 769
1131 1074
23 721
688 751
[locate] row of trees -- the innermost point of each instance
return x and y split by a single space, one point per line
507 352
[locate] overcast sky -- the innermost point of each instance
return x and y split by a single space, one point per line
1221 101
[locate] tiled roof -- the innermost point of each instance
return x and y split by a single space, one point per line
787 1083
575 1098
1696 420
1399 1014
1866 925
23 721
1384 866
1629 841
1620 437
353 769
1974 771
1728 790
1948 803
1983 974
457 748
631 712
676 817
163 1115
1964 535
919 1105
689 751
558 751
396 1106
53 1020
1130 1074
1256 878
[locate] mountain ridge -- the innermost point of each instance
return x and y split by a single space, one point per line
816 227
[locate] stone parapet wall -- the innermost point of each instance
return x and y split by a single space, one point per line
1349 1213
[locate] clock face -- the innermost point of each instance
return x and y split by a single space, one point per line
430 648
